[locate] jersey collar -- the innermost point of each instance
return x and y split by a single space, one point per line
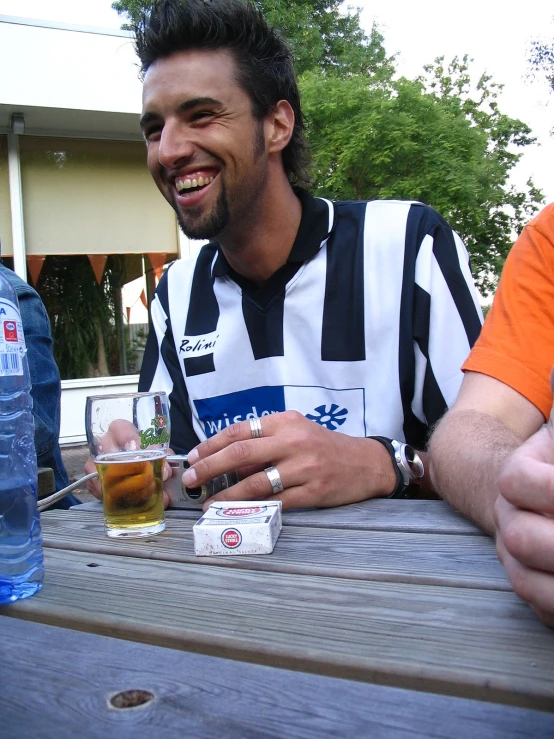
315 226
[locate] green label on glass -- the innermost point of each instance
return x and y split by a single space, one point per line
156 434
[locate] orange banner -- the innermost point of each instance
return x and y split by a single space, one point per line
157 261
98 262
34 265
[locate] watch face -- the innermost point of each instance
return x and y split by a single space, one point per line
413 461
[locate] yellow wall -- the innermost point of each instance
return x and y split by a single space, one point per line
83 196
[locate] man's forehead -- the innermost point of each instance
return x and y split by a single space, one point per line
187 70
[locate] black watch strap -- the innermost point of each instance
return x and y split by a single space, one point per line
400 489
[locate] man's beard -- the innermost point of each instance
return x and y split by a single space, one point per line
208 227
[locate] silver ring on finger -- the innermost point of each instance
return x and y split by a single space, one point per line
274 479
256 428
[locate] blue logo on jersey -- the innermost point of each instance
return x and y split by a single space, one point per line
217 413
220 412
330 417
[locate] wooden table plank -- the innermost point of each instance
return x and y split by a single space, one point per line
478 644
423 516
432 559
57 682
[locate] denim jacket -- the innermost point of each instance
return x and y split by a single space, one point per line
45 378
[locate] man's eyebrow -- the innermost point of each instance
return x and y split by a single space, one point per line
148 117
196 102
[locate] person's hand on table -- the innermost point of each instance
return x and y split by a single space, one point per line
524 518
292 459
121 435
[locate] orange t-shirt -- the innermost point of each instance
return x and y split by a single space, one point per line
516 345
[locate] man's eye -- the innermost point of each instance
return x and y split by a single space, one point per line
152 133
202 115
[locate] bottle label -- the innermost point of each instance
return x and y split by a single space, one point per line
12 340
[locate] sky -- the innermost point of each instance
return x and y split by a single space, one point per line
494 35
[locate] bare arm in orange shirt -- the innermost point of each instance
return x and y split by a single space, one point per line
470 445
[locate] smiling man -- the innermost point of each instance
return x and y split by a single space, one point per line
311 344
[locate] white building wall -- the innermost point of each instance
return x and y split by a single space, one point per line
74 398
54 67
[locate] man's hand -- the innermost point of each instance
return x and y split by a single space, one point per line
121 436
524 517
318 467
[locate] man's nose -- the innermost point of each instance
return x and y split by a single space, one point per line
175 145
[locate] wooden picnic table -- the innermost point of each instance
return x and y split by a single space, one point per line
389 617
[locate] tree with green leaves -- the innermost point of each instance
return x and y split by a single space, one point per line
322 37
434 139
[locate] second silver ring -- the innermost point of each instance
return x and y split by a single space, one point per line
256 428
274 480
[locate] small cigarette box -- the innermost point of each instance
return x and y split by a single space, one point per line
239 527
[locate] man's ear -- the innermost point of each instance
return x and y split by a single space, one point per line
279 125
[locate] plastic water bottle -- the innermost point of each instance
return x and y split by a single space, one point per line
21 559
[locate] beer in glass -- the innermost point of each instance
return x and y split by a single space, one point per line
128 437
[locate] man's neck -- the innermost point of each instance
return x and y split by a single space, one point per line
259 250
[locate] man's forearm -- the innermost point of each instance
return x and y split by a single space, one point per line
467 451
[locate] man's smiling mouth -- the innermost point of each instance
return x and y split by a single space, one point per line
190 185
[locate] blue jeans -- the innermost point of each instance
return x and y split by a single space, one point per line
45 380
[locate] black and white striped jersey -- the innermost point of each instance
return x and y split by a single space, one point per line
363 330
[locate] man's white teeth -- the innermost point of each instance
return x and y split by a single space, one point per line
188 183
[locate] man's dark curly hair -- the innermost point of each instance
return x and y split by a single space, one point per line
265 68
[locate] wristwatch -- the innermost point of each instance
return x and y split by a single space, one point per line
406 462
